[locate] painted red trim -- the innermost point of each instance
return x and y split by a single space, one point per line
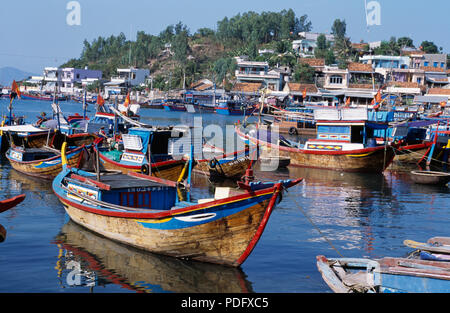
168 213
11 202
95 182
155 179
416 146
261 226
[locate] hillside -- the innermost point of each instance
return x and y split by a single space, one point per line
175 56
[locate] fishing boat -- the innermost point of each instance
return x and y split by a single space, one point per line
145 150
231 165
386 275
11 202
43 97
435 249
174 105
42 162
430 177
144 212
345 141
236 108
258 185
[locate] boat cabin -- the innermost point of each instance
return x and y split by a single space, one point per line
123 190
345 129
140 144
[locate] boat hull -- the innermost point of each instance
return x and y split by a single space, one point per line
375 159
48 168
11 202
219 231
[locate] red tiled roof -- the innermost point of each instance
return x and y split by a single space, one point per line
313 62
297 87
404 84
359 67
439 91
360 86
431 69
360 46
247 87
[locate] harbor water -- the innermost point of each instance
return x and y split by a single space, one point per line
329 213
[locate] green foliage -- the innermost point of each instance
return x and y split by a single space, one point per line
339 28
405 42
429 47
303 73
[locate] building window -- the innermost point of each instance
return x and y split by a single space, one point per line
442 64
419 80
426 63
336 80
435 64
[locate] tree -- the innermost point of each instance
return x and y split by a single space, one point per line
303 73
429 47
339 28
405 42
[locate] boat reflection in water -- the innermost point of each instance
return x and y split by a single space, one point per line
101 261
2 233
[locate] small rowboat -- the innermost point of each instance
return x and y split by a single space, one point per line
11 202
430 177
385 275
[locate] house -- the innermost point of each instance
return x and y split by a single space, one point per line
435 76
435 60
68 79
296 90
308 43
335 78
126 78
444 92
386 61
258 72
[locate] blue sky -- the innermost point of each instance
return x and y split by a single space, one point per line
35 34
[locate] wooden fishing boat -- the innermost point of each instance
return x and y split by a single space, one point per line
144 212
11 202
345 142
231 165
139 146
430 177
385 275
42 162
41 97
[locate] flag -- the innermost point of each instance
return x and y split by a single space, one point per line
100 100
15 91
347 102
378 97
304 94
127 100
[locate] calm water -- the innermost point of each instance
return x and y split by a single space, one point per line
362 215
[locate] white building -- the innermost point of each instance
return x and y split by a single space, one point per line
126 78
